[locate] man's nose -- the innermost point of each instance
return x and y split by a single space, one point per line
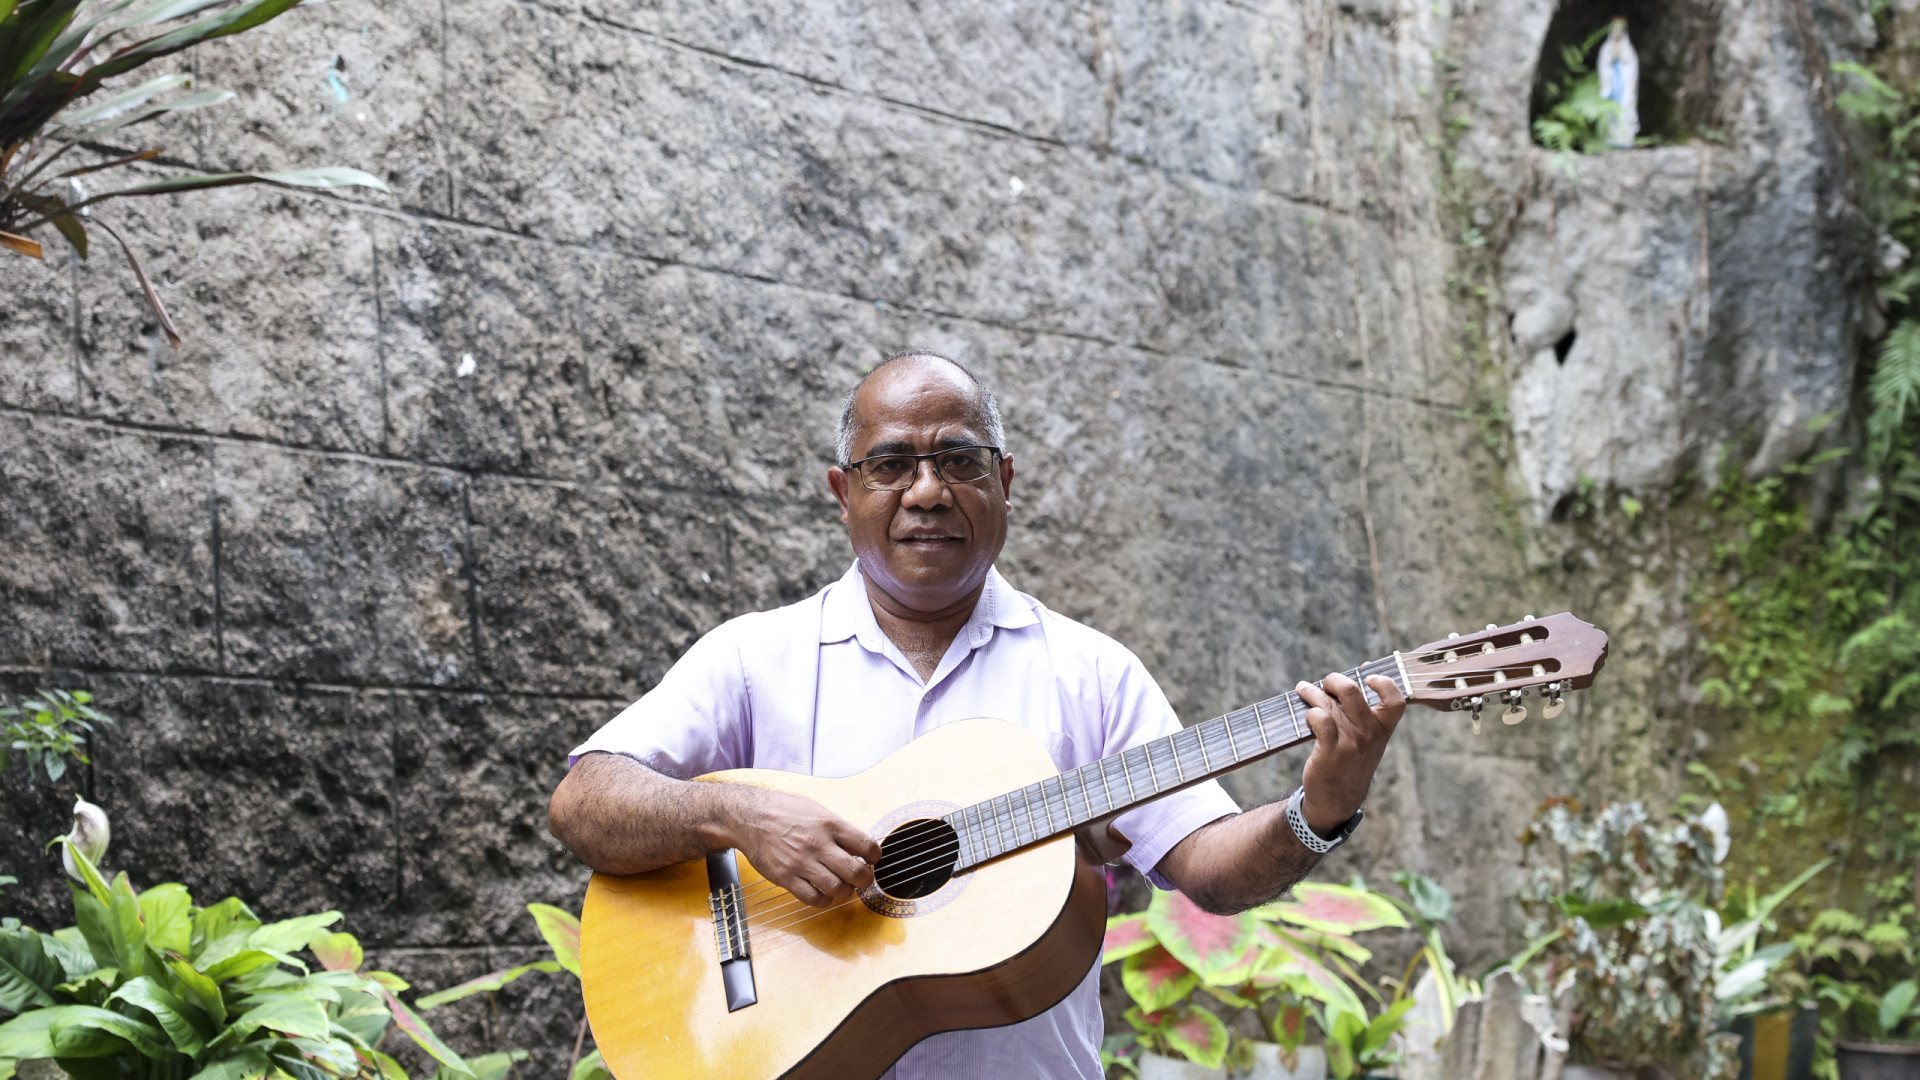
928 489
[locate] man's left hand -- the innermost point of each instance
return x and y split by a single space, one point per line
1349 738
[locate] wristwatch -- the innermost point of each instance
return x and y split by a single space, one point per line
1313 841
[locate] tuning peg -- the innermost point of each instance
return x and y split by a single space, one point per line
1476 703
1555 703
1493 626
1526 618
1516 712
1455 634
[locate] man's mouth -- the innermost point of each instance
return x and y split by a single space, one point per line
929 538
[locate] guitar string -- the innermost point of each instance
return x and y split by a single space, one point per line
1060 798
1005 810
770 906
788 936
1059 801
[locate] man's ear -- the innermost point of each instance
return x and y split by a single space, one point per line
837 480
1006 478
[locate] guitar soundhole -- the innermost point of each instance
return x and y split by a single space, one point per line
917 858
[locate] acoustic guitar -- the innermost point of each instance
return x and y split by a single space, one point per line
983 914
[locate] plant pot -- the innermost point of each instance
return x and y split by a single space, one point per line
1310 1064
1156 1067
1777 1045
1878 1061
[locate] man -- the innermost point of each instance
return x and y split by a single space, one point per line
920 632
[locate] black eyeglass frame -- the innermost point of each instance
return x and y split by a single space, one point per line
997 453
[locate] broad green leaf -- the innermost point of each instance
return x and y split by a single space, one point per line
27 973
243 1064
239 964
591 1067
336 1056
1222 949
1430 901
69 946
182 1022
416 1029
288 1014
94 926
483 984
89 1031
89 873
25 1036
1335 909
337 952
389 980
1199 1035
1382 1027
1126 935
562 931
7 1065
200 990
93 987
389 1068
486 1066
1896 1004
214 924
123 922
168 912
1155 980
291 934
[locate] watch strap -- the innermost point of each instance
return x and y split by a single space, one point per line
1311 840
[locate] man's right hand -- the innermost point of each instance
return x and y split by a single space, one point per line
802 846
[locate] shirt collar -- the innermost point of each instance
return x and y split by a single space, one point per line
847 613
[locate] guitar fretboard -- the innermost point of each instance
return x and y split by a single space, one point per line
1143 773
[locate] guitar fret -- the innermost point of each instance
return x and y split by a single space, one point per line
1105 786
1173 744
1126 770
1260 722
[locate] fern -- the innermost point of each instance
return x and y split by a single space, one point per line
1894 388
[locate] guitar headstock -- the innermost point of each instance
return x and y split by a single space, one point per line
1502 664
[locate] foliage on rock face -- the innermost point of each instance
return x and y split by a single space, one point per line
1578 116
1619 910
1864 973
48 729
152 984
1286 962
56 58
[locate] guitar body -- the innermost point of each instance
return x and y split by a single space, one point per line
842 993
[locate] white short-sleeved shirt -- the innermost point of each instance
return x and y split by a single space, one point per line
818 688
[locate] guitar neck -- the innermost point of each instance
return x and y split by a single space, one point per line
1114 785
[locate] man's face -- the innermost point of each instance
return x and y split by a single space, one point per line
930 545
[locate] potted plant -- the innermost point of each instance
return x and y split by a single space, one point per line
1278 965
151 984
1622 937
1861 972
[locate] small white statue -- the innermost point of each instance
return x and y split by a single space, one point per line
91 834
1620 83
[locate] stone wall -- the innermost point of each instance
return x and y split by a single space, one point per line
442 480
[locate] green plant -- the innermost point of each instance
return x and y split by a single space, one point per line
55 55
1861 972
151 985
1577 118
1284 962
561 929
48 730
1746 981
1617 911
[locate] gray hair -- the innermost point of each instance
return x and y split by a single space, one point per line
989 417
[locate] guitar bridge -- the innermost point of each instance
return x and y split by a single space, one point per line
730 929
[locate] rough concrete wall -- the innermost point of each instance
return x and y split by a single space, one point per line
352 605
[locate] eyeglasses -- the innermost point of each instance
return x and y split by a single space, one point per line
897 472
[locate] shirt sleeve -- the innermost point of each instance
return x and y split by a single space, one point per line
1136 711
696 721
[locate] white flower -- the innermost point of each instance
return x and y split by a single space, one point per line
90 834
1714 820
